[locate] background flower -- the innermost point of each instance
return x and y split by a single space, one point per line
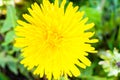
111 62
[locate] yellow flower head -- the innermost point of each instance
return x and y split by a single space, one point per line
54 39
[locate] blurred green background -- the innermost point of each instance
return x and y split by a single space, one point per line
105 64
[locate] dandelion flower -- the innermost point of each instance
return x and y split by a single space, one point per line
54 39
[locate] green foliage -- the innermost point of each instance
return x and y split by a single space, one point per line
9 55
10 61
9 37
10 20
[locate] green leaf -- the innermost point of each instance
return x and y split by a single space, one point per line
10 20
13 67
9 37
2 60
10 61
12 64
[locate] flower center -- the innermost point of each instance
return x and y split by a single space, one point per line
54 39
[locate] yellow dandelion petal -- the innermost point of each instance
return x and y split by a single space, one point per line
55 40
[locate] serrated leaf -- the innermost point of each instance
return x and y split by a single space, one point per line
12 64
13 67
9 37
10 19
10 61
2 60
